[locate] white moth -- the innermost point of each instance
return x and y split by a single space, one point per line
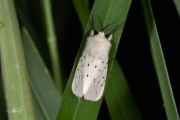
91 72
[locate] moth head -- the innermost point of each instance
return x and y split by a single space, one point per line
101 34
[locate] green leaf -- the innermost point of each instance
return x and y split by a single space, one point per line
118 96
119 99
177 5
14 71
159 62
44 90
107 12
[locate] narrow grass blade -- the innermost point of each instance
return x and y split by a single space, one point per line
118 97
107 12
44 90
14 71
177 5
52 43
159 62
82 11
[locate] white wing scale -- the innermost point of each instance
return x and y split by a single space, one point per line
96 88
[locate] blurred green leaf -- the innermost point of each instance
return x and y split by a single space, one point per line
44 90
14 72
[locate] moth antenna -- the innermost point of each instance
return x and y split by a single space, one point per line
93 23
112 30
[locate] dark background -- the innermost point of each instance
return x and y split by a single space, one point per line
133 53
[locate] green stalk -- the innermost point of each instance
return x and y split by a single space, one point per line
52 43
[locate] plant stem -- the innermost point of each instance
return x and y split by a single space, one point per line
52 43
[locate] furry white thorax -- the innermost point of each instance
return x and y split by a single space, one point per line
98 45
